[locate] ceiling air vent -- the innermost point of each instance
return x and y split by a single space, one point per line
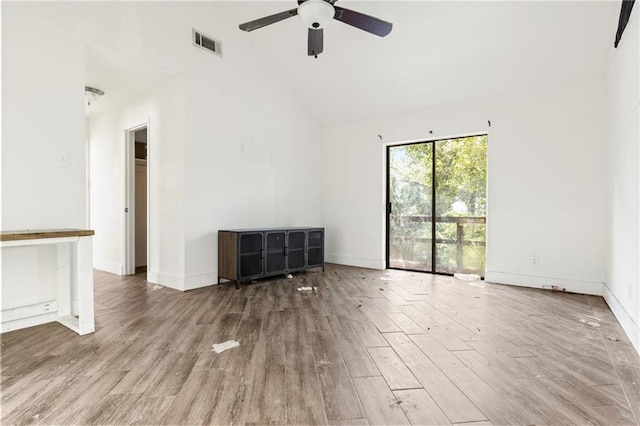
205 42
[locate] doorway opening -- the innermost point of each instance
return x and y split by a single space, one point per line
137 194
437 206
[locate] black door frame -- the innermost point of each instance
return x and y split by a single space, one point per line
433 199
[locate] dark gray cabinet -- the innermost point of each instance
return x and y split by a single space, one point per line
246 254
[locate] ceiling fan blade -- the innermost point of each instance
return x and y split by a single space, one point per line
367 23
316 42
268 20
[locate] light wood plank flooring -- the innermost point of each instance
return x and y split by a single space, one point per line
368 347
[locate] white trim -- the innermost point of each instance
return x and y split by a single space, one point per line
183 283
21 323
203 280
630 327
534 281
22 312
129 261
111 267
148 162
172 281
355 261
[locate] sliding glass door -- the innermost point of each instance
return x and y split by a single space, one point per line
409 207
436 206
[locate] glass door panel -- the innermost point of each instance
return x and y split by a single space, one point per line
315 251
250 255
295 258
461 204
409 210
275 251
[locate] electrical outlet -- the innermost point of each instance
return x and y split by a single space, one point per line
535 261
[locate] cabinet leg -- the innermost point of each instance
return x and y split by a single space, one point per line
237 285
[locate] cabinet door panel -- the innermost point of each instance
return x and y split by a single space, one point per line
251 263
315 248
250 243
296 241
275 252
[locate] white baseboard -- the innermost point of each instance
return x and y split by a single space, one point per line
533 281
183 283
18 324
172 281
22 312
111 267
355 261
202 280
628 324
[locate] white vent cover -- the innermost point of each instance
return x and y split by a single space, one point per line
205 42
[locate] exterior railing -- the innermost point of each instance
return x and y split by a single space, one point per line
459 240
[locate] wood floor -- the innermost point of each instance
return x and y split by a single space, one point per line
368 347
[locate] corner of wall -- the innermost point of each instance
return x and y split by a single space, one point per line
628 324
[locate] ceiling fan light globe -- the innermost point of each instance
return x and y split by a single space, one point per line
316 13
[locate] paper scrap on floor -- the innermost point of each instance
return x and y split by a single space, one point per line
467 277
307 288
590 323
221 347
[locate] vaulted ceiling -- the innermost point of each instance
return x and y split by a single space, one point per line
439 52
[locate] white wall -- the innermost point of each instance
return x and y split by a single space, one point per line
43 119
546 183
253 159
164 111
247 155
623 264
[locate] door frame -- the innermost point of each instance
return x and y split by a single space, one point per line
387 201
129 231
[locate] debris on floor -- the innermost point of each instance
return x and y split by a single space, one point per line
613 338
467 277
590 323
289 276
221 347
307 288
593 318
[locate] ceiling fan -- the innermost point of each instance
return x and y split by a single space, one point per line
316 14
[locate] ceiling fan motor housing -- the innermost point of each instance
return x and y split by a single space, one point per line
316 13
